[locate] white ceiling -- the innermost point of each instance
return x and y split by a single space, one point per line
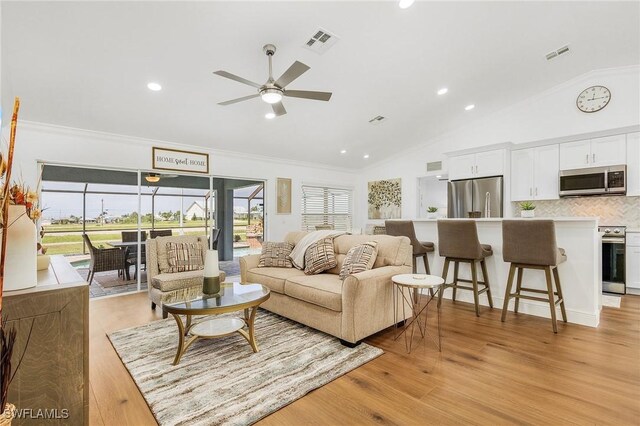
87 65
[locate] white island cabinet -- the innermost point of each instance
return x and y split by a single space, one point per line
580 275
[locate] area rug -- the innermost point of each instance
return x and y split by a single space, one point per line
221 381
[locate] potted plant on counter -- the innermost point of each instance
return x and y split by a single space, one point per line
527 209
431 212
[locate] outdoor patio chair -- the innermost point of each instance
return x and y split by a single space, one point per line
160 233
103 259
132 252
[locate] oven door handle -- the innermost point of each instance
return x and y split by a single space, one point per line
613 240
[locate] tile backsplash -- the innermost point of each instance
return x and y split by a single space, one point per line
611 210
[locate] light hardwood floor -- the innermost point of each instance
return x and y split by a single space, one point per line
488 373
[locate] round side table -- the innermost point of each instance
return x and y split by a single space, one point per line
407 292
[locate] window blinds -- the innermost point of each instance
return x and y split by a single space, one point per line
326 206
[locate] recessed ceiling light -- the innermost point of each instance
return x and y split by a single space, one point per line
443 91
154 86
405 3
469 107
270 115
365 156
344 151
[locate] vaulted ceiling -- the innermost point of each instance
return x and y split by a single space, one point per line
87 65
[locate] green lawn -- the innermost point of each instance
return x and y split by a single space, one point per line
67 244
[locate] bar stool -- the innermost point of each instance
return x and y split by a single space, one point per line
532 244
458 243
405 228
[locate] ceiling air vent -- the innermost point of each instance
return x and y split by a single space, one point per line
434 166
555 53
321 41
377 119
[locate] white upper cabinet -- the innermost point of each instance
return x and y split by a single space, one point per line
607 151
522 164
575 155
490 163
534 173
482 164
633 164
462 166
546 172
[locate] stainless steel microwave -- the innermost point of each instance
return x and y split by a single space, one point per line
610 180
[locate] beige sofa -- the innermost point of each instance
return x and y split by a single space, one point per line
352 309
165 287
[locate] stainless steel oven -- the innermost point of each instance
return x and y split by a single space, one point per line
594 181
613 259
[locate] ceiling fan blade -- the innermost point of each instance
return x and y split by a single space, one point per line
306 94
236 78
295 70
244 98
278 109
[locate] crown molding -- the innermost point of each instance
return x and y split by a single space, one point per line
48 128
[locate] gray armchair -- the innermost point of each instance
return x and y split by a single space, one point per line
170 287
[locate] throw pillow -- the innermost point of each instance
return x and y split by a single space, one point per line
184 257
320 257
359 259
275 255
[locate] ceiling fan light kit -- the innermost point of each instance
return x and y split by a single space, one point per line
152 178
273 90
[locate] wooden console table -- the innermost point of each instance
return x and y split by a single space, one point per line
54 374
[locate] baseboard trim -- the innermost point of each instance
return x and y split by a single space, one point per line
530 307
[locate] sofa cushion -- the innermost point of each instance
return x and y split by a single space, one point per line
177 280
323 290
184 257
319 257
392 251
273 278
161 247
359 259
275 255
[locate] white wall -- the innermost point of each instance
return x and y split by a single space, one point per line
37 142
551 114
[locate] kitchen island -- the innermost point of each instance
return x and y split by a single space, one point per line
580 275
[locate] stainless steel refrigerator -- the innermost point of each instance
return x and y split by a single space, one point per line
482 195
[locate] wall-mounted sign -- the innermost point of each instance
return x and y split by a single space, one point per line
180 161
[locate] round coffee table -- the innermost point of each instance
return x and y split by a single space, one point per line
412 284
232 297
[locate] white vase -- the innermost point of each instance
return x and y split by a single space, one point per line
20 270
527 213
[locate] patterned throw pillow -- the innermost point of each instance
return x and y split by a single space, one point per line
320 257
359 259
184 257
275 255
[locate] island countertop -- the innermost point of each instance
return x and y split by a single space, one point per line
500 219
580 275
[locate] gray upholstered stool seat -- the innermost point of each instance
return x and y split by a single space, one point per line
458 243
531 244
405 228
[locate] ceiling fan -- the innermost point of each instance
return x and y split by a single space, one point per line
273 90
155 177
